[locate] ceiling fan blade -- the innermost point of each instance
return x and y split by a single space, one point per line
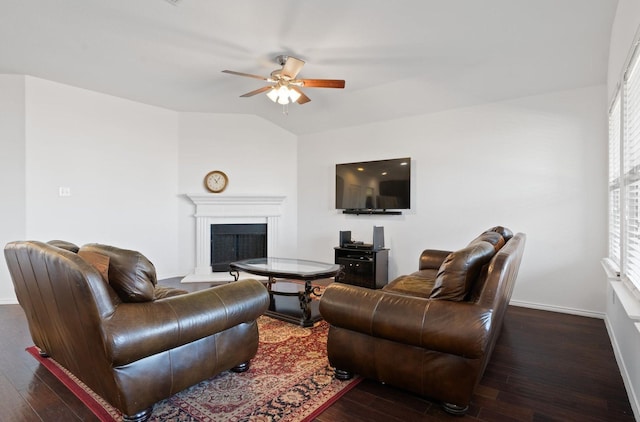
322 83
249 75
257 91
292 67
303 98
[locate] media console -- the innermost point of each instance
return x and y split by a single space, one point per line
362 266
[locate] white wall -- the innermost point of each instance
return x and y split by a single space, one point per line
12 172
534 164
118 157
128 167
258 158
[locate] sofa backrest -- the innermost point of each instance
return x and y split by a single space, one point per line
494 285
64 299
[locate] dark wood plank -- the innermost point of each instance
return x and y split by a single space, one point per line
546 366
12 405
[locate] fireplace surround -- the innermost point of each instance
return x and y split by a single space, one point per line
214 209
235 242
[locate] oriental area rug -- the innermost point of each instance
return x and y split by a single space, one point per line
289 380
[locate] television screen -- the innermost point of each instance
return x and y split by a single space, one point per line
374 185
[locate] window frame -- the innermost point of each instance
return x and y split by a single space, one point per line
624 176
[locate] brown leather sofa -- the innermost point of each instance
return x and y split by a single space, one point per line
98 311
431 332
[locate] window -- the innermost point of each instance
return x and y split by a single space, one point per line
614 184
624 176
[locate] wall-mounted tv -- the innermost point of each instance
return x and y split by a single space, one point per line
372 187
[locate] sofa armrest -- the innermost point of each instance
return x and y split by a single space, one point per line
432 259
458 328
137 330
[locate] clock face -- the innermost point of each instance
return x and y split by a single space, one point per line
216 181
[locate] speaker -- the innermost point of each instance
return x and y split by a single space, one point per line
378 238
345 238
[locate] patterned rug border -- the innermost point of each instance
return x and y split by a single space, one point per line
94 402
106 413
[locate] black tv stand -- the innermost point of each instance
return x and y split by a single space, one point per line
371 212
362 267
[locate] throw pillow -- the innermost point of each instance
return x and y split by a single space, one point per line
504 232
98 261
459 270
131 274
63 244
494 238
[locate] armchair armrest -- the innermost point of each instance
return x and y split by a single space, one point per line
458 328
432 259
137 330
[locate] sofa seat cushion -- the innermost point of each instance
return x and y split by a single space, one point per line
160 292
418 284
457 273
131 274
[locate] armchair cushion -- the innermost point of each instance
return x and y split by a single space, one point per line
175 321
161 292
130 274
458 271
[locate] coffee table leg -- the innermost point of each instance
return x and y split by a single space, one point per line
305 300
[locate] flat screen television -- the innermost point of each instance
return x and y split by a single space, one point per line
374 186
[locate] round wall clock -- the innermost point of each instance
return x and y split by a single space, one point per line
216 181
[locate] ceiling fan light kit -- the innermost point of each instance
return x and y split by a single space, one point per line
286 88
283 95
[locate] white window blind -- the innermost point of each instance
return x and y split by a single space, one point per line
631 173
614 184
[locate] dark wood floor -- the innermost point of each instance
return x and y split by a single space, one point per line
545 367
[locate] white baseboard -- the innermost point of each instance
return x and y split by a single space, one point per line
9 301
561 309
633 397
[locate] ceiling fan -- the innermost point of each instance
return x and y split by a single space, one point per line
285 87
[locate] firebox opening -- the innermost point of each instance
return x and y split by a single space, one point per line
234 242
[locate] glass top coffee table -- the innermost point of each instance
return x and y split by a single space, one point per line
304 312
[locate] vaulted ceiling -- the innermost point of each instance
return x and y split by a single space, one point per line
398 58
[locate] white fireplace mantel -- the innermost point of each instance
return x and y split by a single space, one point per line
224 209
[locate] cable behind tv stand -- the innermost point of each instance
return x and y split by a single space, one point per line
371 212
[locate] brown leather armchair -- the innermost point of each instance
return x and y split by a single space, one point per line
100 314
431 332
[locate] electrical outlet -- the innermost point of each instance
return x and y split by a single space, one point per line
64 191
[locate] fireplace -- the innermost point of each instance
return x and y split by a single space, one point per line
234 242
212 210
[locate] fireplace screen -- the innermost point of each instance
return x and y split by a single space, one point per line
234 242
